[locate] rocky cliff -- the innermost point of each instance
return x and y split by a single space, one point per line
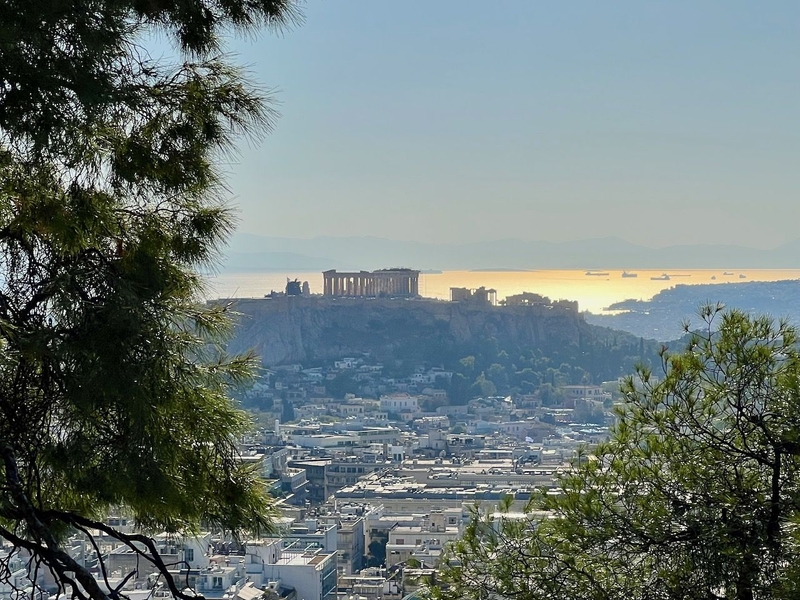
298 329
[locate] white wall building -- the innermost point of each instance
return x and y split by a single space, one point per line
312 575
399 403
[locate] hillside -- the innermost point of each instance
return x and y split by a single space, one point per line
661 317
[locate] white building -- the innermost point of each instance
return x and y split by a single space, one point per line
592 392
427 538
400 403
312 574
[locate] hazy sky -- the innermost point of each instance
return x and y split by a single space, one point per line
658 122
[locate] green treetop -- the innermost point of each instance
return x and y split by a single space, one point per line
695 495
113 390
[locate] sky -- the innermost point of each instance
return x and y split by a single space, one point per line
659 123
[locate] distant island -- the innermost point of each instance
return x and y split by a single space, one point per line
660 318
500 270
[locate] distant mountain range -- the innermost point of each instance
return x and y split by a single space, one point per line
253 253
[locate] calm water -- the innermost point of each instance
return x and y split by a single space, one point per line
593 292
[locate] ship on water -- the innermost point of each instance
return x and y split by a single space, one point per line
662 277
597 273
626 274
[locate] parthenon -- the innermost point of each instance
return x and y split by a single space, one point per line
384 282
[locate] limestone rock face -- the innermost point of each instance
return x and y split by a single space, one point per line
296 329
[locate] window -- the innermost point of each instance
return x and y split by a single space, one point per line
401 541
216 583
188 554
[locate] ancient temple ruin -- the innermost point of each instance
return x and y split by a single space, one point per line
384 282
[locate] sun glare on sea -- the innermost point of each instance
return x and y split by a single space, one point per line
594 290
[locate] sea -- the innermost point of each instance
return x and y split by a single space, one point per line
594 290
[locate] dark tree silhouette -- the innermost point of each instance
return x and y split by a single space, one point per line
113 391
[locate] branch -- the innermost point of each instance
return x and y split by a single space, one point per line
45 544
152 555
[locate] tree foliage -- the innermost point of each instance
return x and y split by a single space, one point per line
113 388
695 495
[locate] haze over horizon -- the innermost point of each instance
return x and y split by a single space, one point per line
253 253
659 124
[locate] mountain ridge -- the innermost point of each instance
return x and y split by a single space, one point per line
254 253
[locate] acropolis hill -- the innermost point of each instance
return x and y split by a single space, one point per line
286 329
